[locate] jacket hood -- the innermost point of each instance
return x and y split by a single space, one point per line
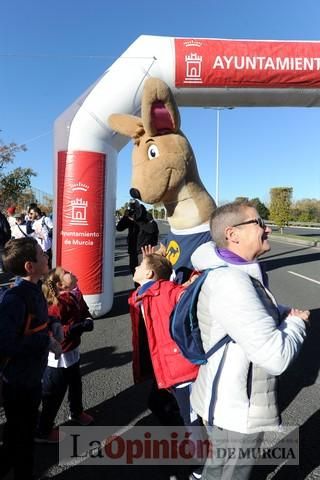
206 256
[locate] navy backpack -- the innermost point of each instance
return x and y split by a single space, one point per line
184 327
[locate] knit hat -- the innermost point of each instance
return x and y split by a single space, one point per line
11 210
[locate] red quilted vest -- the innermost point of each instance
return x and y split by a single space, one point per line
169 366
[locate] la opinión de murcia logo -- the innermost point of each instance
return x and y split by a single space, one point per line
193 63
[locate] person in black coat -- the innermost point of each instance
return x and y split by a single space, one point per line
5 235
142 231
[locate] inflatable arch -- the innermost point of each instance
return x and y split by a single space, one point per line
200 72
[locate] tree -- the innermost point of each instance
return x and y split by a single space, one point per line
241 199
8 152
280 205
261 208
120 211
306 210
15 183
46 205
26 198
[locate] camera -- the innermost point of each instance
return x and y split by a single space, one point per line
131 211
132 208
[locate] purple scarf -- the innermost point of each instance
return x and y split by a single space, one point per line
230 257
233 258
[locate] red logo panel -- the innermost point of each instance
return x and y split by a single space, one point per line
240 63
80 217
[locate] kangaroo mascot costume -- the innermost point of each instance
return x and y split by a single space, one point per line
164 171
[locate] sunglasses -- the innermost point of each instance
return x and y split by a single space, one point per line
257 221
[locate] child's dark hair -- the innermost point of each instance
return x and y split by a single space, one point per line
160 265
17 252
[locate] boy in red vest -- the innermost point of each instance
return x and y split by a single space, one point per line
155 299
150 308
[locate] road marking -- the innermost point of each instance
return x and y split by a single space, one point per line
66 464
306 278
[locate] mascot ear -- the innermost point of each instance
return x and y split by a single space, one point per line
127 125
159 111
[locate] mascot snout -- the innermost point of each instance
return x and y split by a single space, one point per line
134 192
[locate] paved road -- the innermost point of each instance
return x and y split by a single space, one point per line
110 396
311 233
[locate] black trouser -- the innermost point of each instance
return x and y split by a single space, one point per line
1 253
56 381
21 408
49 253
134 261
190 419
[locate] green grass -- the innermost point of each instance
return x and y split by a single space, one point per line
298 237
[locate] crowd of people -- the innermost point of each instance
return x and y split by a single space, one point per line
232 397
31 223
43 315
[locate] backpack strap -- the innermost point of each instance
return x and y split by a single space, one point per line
21 230
224 340
193 311
44 223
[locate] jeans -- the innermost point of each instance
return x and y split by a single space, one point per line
227 463
21 408
56 381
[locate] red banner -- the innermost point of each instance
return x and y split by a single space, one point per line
80 217
243 64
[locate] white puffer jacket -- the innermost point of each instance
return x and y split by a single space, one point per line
238 385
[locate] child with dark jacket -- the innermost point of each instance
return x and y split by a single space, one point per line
24 346
66 303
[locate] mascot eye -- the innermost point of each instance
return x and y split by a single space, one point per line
153 152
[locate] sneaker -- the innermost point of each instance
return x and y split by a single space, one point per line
195 476
55 436
84 419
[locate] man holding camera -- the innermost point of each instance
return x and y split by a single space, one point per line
142 231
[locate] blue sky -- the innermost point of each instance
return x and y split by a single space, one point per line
45 64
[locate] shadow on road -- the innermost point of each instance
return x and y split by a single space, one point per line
120 304
309 454
267 257
103 358
120 410
305 370
286 261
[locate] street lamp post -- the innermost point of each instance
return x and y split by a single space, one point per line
218 109
217 156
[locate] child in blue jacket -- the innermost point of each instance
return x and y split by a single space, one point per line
24 346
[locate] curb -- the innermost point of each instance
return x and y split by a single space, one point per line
284 239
